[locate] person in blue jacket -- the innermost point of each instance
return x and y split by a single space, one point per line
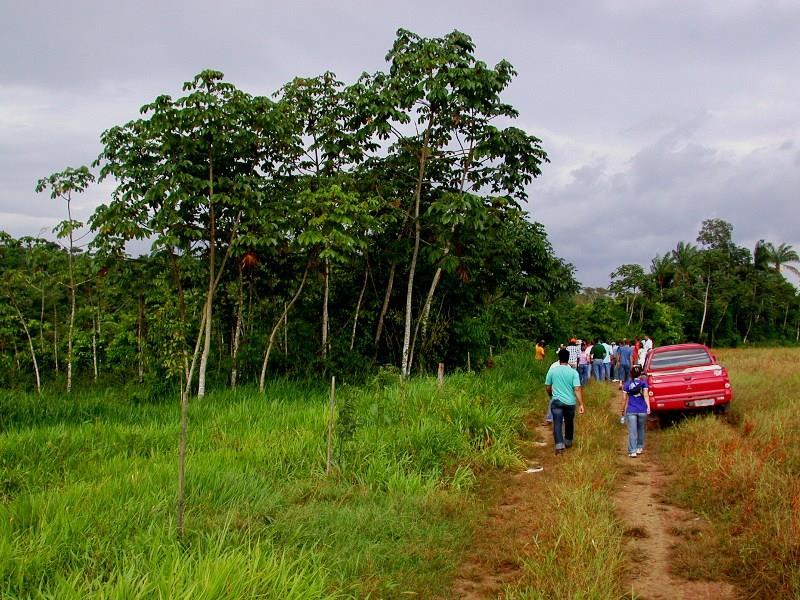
636 407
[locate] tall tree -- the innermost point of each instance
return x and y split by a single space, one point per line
62 185
185 174
437 101
781 257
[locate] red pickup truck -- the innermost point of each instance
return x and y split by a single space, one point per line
686 377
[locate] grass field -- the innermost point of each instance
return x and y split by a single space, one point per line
87 484
744 476
88 489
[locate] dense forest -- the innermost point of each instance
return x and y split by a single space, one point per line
329 227
713 291
335 228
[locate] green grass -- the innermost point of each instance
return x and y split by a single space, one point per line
88 488
744 477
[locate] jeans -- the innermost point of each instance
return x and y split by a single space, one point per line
597 368
637 423
606 371
583 373
624 372
563 416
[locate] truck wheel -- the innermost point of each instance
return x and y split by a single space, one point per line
722 409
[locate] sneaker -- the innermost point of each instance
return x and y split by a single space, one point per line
639 451
633 455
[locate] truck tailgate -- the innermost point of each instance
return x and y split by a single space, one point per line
691 387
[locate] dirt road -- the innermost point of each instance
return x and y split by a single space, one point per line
502 546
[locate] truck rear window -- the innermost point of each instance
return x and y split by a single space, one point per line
692 357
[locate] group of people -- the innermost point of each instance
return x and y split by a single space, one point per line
619 362
602 360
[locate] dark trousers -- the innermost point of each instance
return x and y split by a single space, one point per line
563 424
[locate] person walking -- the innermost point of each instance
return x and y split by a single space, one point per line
574 352
607 362
636 407
624 353
614 361
584 363
564 390
647 346
540 350
548 418
598 353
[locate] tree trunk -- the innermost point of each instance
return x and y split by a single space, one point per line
705 306
285 332
55 335
630 316
423 155
287 307
325 310
140 338
212 248
30 345
385 308
41 325
71 329
94 346
70 335
747 333
426 309
237 331
358 305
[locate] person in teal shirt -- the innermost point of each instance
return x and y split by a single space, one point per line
564 389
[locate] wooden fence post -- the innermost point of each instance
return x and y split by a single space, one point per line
440 375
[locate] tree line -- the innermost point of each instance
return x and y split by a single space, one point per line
330 226
712 291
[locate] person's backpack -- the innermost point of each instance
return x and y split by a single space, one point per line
635 388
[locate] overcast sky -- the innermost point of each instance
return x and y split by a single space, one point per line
655 115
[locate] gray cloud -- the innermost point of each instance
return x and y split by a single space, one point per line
656 114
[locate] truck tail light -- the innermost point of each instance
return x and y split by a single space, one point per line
727 385
650 393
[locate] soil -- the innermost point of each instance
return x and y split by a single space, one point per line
652 531
500 545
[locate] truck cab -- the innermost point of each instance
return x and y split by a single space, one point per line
686 378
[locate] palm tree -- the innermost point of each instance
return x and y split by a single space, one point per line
780 257
663 269
683 258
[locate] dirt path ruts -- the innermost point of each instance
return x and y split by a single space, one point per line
494 562
651 527
495 558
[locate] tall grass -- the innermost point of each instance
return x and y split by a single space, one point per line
744 476
88 489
